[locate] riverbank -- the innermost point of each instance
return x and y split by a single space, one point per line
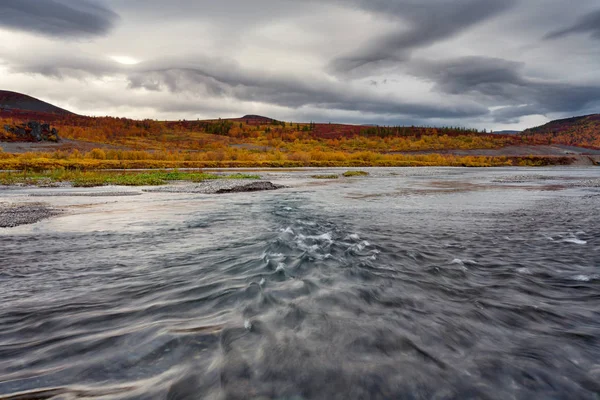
62 177
210 182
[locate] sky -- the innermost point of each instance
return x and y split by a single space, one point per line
486 64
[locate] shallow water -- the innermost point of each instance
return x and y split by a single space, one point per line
412 283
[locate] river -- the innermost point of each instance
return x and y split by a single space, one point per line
416 283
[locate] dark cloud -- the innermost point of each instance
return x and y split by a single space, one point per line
589 23
286 91
229 9
230 80
495 81
428 22
486 76
512 114
207 77
59 18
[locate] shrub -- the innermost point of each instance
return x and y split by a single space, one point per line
348 174
325 176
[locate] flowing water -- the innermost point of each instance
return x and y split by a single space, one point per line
431 283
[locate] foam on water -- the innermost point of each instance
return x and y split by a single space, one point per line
280 267
582 278
247 325
574 241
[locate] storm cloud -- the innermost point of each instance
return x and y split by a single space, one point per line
426 22
207 77
496 81
479 63
589 23
60 18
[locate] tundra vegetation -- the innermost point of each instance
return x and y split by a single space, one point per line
120 143
333 176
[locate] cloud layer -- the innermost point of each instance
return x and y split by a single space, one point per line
589 23
425 23
59 18
481 63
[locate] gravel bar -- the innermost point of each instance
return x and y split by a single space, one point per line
216 186
15 214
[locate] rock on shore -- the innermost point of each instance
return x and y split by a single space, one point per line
250 187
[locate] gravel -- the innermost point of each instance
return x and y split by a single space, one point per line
250 187
15 214
216 186
564 181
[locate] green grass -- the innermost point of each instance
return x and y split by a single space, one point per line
349 174
242 176
325 177
102 178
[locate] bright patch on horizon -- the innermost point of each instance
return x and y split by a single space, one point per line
125 60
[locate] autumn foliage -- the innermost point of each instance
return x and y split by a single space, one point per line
577 131
250 141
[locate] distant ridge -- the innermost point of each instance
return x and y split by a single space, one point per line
13 101
253 119
591 121
576 131
252 116
507 132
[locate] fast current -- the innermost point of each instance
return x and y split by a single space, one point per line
407 284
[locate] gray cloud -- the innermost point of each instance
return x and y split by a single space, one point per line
495 81
429 22
214 77
421 62
589 23
59 18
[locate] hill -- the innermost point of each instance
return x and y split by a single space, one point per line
508 132
576 131
255 119
13 102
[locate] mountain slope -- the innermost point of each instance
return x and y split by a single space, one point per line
10 101
577 131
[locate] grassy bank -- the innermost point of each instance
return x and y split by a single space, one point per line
101 178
